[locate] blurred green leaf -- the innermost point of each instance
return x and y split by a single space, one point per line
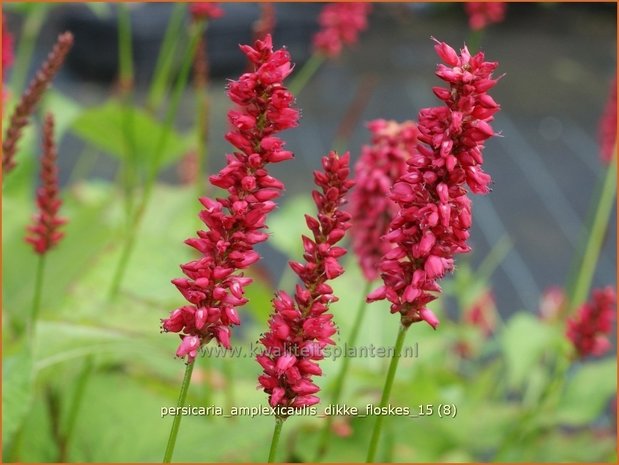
588 391
288 223
58 342
17 393
260 293
524 339
102 126
87 234
64 109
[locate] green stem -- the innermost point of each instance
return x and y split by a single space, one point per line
38 292
277 431
123 262
181 83
339 382
165 58
126 76
167 458
32 26
301 78
393 366
125 47
197 29
595 238
76 404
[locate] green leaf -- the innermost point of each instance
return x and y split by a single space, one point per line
260 294
288 223
523 341
64 109
17 393
588 392
87 234
103 127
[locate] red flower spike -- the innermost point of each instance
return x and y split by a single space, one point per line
590 327
205 10
214 285
44 232
340 25
301 328
482 313
481 14
434 212
7 47
380 165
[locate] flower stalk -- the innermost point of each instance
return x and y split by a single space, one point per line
384 400
277 431
323 442
134 225
595 238
165 58
169 451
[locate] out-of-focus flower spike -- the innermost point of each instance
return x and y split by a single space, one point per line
30 98
44 232
340 25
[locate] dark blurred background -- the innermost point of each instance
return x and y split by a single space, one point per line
558 60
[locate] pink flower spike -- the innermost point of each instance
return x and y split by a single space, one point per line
214 283
433 212
381 164
481 14
340 25
589 328
300 329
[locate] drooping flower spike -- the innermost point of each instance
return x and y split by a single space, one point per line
214 283
380 165
30 98
340 25
44 232
590 328
301 327
482 14
434 211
